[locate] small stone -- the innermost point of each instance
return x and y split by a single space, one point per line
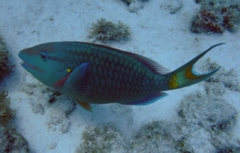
52 146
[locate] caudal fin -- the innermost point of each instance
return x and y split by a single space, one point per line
184 76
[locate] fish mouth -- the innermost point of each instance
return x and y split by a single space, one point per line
25 64
28 67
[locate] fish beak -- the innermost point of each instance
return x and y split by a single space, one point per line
24 63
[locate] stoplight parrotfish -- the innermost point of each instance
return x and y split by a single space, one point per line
93 73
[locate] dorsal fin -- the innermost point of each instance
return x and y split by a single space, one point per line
152 65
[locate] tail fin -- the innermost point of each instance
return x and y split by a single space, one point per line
184 76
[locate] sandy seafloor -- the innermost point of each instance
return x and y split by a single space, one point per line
156 34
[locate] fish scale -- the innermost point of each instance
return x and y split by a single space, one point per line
106 78
92 73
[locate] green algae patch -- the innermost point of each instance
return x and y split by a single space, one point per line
106 31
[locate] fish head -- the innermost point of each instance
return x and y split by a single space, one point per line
46 62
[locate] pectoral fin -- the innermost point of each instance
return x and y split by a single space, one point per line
77 81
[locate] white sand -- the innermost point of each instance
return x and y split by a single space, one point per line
156 34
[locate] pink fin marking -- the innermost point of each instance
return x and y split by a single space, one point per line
61 82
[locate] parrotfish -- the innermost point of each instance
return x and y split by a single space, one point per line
98 74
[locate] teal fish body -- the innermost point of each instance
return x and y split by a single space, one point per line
91 73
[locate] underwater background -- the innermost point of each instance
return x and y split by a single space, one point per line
202 118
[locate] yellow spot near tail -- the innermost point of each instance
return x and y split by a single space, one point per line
173 82
189 74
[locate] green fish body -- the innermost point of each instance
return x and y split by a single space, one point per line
91 73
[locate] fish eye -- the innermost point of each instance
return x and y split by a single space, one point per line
44 55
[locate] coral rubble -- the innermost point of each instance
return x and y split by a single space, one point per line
172 6
102 139
222 80
10 139
5 67
216 16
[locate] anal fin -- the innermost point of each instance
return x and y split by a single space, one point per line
147 100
